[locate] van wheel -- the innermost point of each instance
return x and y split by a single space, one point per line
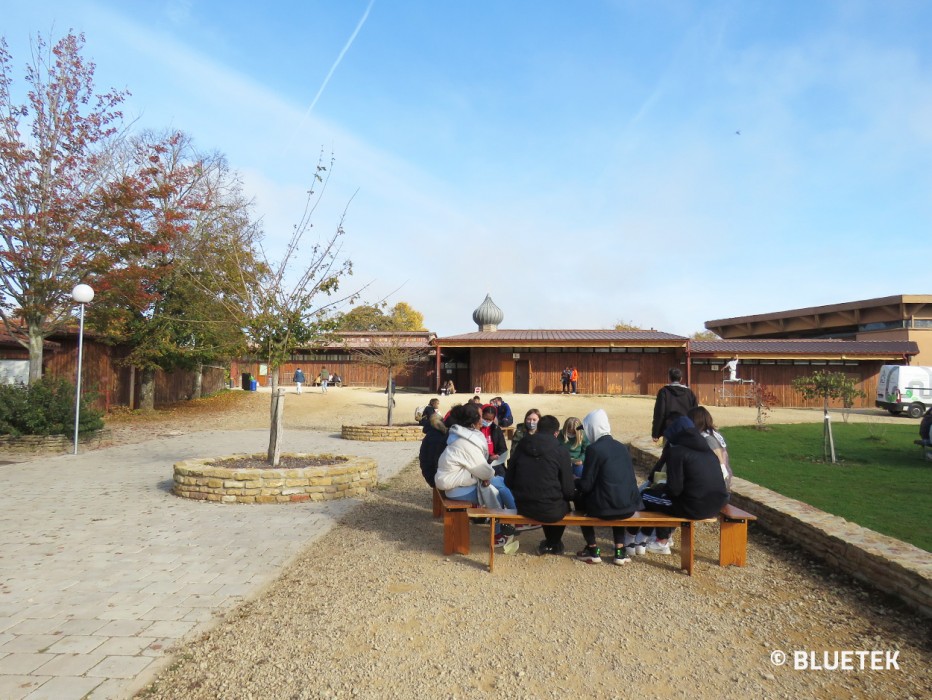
916 410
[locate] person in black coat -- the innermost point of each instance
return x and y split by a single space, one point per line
540 477
434 442
672 398
694 488
608 487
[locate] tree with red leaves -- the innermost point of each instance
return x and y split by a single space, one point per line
65 216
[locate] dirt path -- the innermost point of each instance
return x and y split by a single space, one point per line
373 610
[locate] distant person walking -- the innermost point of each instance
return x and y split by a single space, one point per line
298 379
324 378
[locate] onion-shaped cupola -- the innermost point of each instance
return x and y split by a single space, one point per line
488 315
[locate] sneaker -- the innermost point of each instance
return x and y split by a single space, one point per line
503 540
546 548
621 556
506 529
659 547
525 527
590 555
637 548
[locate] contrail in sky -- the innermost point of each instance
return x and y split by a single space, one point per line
336 63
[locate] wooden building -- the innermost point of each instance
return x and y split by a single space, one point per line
906 317
637 362
774 364
344 356
105 376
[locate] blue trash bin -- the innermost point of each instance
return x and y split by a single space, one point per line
253 385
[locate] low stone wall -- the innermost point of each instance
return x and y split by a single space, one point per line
888 564
347 477
383 433
51 444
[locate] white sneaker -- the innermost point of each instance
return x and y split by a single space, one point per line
659 547
640 548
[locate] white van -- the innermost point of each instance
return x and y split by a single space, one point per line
903 388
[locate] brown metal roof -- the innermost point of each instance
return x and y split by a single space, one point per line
851 348
365 339
562 337
898 301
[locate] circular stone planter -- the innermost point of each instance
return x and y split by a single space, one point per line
346 477
383 433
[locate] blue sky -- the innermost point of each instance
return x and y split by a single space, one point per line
578 161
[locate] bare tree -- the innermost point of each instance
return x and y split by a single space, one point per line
286 304
393 352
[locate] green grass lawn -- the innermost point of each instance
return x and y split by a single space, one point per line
880 481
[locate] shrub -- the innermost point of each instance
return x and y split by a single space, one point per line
45 408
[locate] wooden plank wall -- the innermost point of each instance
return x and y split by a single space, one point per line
707 383
352 373
599 373
103 374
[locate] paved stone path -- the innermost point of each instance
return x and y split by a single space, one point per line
102 570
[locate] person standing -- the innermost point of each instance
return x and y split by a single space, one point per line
324 378
672 398
574 378
298 379
565 380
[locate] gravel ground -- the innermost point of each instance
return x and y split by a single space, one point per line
374 610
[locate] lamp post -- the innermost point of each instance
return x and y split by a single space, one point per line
83 294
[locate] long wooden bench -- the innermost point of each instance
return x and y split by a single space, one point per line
732 535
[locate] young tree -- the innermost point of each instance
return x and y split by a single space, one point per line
288 304
393 353
56 202
828 386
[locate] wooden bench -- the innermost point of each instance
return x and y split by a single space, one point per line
733 534
455 522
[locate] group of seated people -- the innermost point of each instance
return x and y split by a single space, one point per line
552 469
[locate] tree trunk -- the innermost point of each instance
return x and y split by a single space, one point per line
36 342
147 390
198 381
275 433
390 390
273 383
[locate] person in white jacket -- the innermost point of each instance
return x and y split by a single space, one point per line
465 463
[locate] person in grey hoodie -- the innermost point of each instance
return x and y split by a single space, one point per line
608 487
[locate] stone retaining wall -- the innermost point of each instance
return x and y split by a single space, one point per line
888 564
51 444
347 477
383 433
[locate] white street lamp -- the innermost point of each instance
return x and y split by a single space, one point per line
83 294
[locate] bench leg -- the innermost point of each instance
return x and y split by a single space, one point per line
455 532
687 547
438 504
491 545
733 543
